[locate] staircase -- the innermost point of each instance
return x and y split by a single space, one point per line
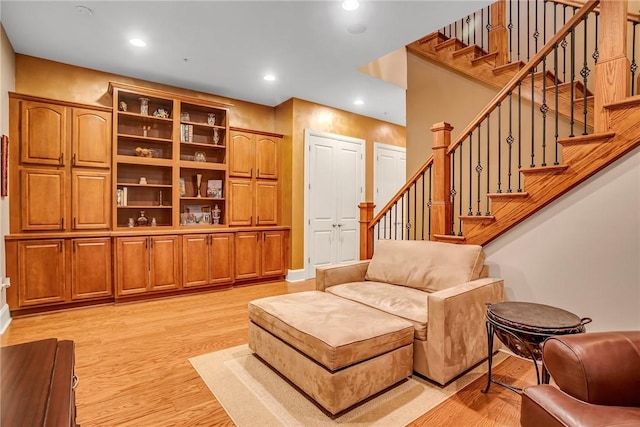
448 200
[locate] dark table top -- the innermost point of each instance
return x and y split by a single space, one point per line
533 315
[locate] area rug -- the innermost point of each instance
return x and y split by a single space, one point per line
255 395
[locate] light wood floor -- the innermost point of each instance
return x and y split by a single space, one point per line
132 361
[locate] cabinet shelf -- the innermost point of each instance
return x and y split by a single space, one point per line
217 199
144 118
126 184
145 207
126 136
203 125
203 165
149 161
203 145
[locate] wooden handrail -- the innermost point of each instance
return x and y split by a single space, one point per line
524 72
400 192
633 17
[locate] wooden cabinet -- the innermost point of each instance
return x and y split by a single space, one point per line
253 182
91 268
207 259
147 264
260 254
63 164
41 272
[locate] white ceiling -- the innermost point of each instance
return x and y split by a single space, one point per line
230 45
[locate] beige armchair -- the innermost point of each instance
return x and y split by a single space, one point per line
441 288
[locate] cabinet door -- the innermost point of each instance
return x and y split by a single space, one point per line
266 202
195 260
91 268
273 261
132 265
165 263
43 199
241 202
266 157
43 132
222 251
90 207
247 263
242 154
91 138
41 266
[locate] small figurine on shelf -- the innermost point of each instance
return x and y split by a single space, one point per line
216 137
142 220
130 223
144 106
198 184
216 214
123 106
211 119
154 223
184 117
142 180
200 156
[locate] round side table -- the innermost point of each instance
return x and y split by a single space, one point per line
522 327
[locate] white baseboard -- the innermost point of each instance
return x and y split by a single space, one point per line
296 275
5 318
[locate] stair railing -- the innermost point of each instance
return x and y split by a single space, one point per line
511 134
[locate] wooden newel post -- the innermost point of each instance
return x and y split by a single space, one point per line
441 201
498 33
612 73
366 234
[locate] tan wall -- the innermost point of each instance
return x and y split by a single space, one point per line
49 79
7 84
307 115
44 78
436 94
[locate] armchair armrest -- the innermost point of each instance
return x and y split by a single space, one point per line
331 275
456 326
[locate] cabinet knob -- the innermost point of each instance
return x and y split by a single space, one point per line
258 220
61 158
73 159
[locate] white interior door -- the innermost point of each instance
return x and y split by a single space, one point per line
335 176
389 175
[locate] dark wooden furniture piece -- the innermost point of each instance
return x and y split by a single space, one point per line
38 383
523 327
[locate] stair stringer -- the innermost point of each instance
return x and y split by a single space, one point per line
583 157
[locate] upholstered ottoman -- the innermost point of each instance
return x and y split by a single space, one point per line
337 351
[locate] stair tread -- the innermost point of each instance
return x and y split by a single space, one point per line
434 35
488 56
507 67
478 218
471 48
578 139
449 237
545 169
451 42
518 195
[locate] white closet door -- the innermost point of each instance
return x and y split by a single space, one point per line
389 177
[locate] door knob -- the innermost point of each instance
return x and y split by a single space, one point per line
333 225
339 225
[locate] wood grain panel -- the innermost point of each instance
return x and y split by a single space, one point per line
222 258
165 263
43 199
195 260
91 268
42 272
91 138
132 265
247 265
43 133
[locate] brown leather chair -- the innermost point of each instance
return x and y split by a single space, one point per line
598 376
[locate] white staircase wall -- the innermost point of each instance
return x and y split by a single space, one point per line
582 252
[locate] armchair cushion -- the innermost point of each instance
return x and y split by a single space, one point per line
406 303
423 264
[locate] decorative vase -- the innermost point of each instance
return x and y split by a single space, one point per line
216 137
216 215
211 119
142 220
144 106
198 184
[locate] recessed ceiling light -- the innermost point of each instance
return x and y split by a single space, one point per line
269 77
138 42
350 4
358 102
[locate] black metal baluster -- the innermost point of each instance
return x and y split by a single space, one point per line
482 28
543 109
488 26
510 140
479 168
384 219
430 201
488 117
536 33
470 174
519 136
452 193
528 32
499 147
573 78
564 46
408 216
585 74
555 72
378 227
423 206
474 28
596 53
414 225
518 29
634 65
468 20
533 119
510 27
395 221
544 23
461 188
